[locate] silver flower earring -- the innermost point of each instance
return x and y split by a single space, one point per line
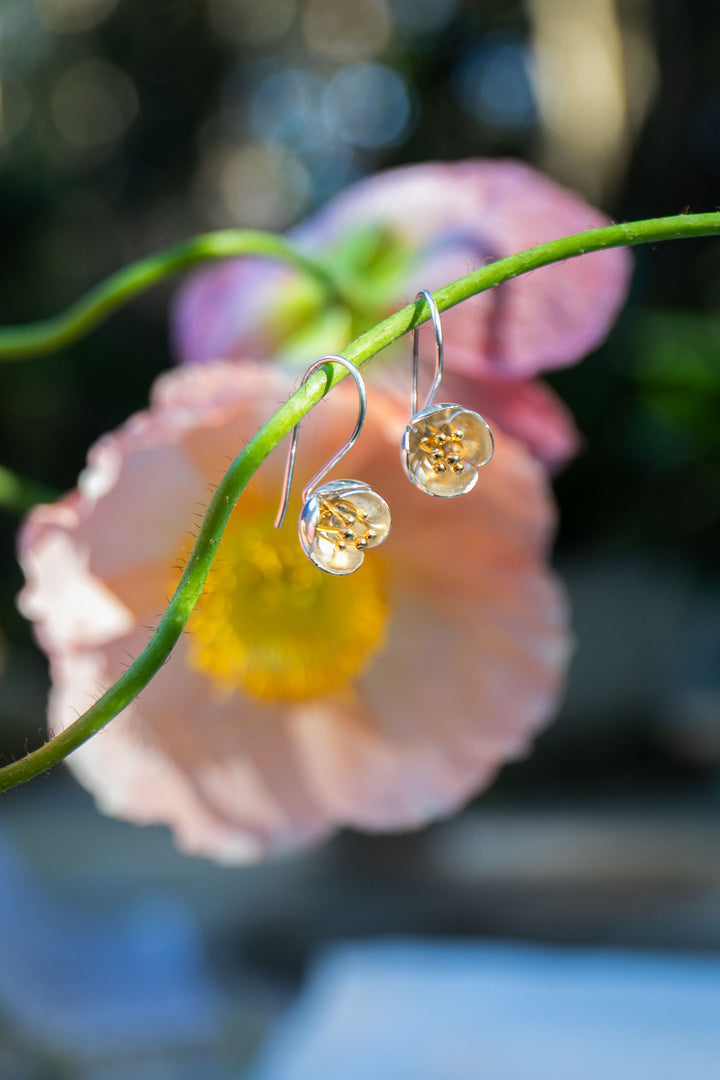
342 519
443 446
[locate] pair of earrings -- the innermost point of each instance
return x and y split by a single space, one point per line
442 449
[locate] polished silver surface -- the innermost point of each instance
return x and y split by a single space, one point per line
347 445
439 354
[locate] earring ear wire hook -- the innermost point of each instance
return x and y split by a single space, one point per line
439 355
339 454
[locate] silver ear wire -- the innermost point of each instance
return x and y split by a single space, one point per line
339 520
443 445
439 353
346 446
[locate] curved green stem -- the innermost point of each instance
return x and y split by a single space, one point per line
17 342
18 494
233 483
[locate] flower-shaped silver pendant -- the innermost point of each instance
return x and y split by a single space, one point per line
443 447
339 522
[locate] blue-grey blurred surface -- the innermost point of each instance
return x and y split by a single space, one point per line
431 1011
123 955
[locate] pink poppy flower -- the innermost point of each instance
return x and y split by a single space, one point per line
297 702
422 226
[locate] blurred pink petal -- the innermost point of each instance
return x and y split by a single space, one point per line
463 662
529 411
448 218
227 311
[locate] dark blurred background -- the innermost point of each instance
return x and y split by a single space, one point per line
127 125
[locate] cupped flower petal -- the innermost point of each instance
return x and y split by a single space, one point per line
443 447
340 521
529 410
296 702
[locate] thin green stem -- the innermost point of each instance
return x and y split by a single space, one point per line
236 478
18 342
18 494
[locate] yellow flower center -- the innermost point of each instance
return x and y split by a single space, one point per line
272 625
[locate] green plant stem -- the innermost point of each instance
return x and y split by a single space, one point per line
245 464
19 342
18 494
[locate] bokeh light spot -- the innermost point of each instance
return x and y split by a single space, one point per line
23 38
347 30
93 104
70 16
367 105
286 107
331 166
422 16
256 185
251 22
494 84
